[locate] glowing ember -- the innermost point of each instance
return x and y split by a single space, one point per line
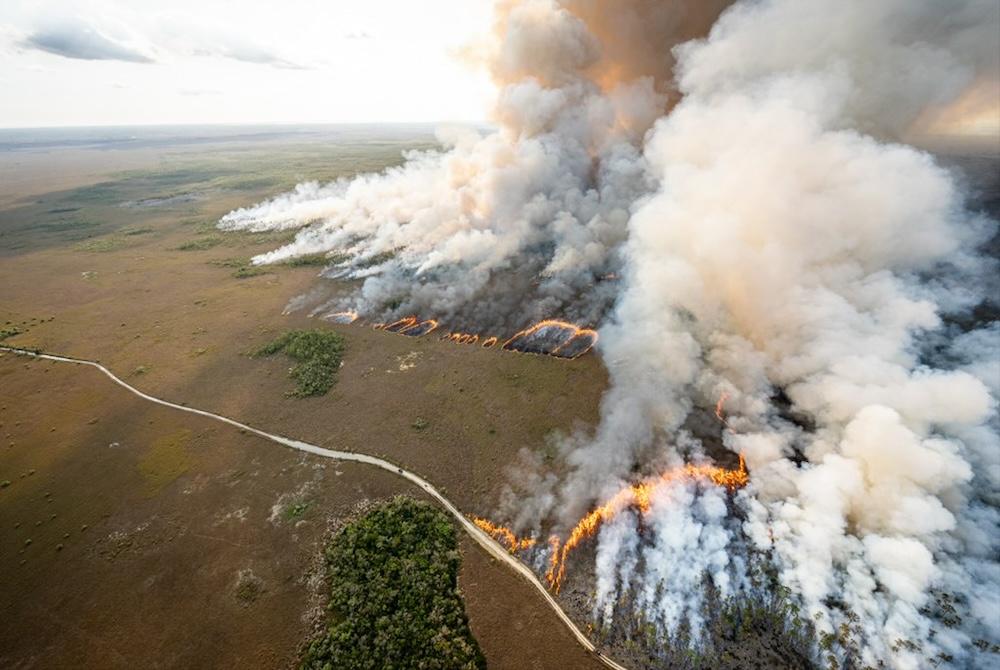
504 535
636 496
552 337
350 316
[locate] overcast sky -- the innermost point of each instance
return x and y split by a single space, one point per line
115 62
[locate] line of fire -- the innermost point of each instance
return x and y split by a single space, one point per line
550 337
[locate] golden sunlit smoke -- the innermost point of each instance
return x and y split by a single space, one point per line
636 496
504 535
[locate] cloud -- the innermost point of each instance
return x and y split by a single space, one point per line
136 42
198 92
251 53
82 42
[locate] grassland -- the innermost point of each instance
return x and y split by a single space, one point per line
174 554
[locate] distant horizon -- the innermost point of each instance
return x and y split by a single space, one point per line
251 124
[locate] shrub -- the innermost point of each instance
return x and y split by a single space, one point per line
307 260
9 331
394 599
318 353
201 244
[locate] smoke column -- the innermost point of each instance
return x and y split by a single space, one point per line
726 192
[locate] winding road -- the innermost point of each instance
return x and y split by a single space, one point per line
485 541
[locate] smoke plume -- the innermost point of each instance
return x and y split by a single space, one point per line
727 194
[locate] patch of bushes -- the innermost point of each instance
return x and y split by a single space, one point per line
9 331
394 599
102 244
296 510
318 353
245 271
242 267
201 244
231 262
307 260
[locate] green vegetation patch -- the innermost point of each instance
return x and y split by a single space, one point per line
137 231
318 353
296 510
307 260
9 331
245 271
103 244
394 598
231 262
242 267
201 244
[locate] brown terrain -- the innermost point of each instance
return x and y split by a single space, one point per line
136 535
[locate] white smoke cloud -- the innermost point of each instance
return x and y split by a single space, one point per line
776 242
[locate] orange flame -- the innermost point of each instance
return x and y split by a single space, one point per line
575 332
504 535
420 329
719 406
637 496
350 316
461 338
566 340
402 324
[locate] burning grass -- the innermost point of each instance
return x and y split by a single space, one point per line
394 599
550 337
553 337
504 535
638 496
318 352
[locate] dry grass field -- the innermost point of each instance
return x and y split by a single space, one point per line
134 535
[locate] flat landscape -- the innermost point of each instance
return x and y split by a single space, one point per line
134 534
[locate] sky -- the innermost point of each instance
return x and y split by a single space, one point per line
117 62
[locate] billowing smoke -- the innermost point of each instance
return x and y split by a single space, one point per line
740 216
505 229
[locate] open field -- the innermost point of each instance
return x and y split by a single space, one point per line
217 531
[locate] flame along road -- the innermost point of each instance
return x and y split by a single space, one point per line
492 547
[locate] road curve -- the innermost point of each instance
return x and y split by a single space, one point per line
485 541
